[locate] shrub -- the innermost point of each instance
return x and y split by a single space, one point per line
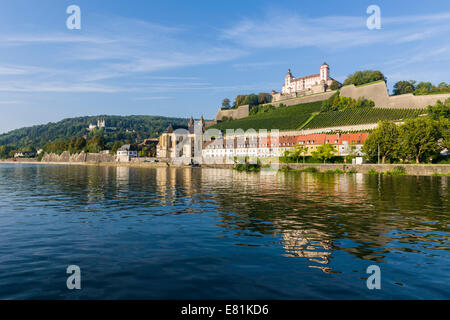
310 169
248 167
336 171
397 171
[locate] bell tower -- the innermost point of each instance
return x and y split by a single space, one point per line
324 72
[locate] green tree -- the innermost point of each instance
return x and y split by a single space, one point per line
335 85
445 133
263 98
362 77
240 100
439 110
296 154
423 88
418 138
324 152
251 99
382 142
402 87
226 103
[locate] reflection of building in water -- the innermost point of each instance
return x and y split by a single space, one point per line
122 175
166 185
308 244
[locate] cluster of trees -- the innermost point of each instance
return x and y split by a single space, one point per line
76 145
337 102
250 99
416 140
362 77
420 88
324 153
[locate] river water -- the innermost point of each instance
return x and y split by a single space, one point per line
139 233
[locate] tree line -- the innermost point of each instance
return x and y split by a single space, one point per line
421 88
417 140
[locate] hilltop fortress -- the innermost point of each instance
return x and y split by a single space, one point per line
302 86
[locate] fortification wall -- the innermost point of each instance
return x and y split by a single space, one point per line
378 93
77 157
411 101
304 99
238 113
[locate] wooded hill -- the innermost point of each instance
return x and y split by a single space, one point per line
127 128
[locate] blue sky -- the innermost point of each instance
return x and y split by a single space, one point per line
181 58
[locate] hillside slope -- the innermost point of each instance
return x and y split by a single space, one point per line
282 118
308 116
127 128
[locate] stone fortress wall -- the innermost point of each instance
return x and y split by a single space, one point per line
77 157
238 113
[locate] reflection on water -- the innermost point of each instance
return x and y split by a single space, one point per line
207 233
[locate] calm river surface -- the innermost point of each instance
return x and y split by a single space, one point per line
214 234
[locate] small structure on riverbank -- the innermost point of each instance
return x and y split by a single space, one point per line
126 152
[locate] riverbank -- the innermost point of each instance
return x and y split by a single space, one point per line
409 169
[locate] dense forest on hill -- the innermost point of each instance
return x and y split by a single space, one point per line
127 128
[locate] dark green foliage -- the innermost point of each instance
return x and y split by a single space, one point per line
419 139
362 77
439 110
129 128
360 116
252 99
248 167
383 142
422 88
226 103
403 87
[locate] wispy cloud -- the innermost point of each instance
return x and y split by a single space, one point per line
286 30
151 98
14 70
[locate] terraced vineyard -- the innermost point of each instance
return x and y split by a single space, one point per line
282 118
360 116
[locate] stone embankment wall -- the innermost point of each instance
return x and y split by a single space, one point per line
411 169
77 157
